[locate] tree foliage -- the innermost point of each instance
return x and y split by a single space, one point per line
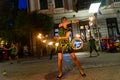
25 23
40 22
6 18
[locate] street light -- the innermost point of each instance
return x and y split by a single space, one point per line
44 41
91 20
50 43
57 44
77 35
94 7
39 35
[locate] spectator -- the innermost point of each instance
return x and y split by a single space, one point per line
92 44
13 52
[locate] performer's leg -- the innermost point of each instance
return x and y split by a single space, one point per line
18 60
10 59
60 58
73 56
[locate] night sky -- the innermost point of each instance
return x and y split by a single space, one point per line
22 4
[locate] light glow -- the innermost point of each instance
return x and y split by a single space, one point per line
50 43
57 44
44 41
77 35
91 18
39 36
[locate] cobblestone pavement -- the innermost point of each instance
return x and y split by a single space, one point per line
104 67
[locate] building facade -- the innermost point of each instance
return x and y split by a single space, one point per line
108 22
108 16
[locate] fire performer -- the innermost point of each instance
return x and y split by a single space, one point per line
64 42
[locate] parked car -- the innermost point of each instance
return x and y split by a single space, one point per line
108 44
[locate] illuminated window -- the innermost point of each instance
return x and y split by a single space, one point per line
56 34
56 30
81 27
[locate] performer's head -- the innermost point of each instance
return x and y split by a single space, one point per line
63 19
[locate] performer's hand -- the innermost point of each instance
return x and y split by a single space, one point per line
75 21
56 38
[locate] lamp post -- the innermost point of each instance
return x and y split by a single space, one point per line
91 22
94 7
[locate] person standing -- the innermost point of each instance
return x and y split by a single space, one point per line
92 44
63 38
13 53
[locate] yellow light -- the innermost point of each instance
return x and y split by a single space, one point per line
39 36
56 44
77 35
44 41
91 18
50 43
2 42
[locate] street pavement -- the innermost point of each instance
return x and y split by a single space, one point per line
106 66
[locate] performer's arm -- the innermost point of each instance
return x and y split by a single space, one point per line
5 48
60 25
68 22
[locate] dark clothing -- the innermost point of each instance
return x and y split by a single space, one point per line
91 49
64 45
9 52
92 45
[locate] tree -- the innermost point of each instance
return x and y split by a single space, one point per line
32 23
6 18
40 22
27 24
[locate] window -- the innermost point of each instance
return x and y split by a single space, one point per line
56 32
58 3
112 27
116 0
83 4
43 4
22 4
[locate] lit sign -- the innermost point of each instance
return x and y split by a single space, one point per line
94 7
